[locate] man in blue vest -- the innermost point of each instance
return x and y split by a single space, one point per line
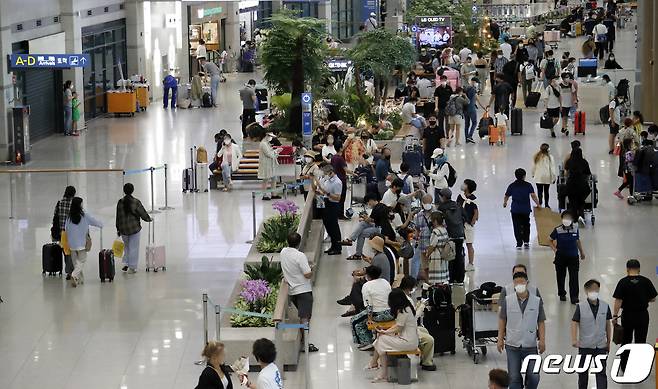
591 331
565 242
521 332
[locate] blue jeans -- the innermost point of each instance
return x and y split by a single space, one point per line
515 357
362 231
417 122
131 250
470 123
415 264
165 99
226 173
214 84
68 119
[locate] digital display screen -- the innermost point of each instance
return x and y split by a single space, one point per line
588 62
436 37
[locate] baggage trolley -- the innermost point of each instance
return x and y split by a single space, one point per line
358 184
642 189
480 328
591 201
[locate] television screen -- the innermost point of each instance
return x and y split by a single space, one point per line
436 37
588 62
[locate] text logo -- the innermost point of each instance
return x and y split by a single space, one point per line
639 364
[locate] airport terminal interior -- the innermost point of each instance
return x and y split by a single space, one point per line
146 330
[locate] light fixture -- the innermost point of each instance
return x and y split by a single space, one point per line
199 13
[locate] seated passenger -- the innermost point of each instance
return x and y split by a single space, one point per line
425 340
403 336
375 295
229 155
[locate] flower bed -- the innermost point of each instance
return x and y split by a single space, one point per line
256 296
275 229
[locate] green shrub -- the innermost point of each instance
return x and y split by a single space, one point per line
274 234
268 270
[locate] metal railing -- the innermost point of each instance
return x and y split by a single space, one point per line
151 169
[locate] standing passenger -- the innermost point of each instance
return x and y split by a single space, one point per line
61 214
521 191
129 213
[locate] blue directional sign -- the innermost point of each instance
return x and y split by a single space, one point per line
49 61
307 114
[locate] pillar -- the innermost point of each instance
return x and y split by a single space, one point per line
232 37
395 10
324 13
135 37
6 85
72 27
646 76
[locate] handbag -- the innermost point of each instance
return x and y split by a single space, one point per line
118 247
546 121
88 243
617 149
64 242
406 250
617 333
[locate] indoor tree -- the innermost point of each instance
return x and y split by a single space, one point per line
381 52
293 56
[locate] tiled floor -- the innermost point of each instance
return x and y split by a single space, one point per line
144 330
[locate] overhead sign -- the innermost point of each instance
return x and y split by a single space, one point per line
49 61
439 20
307 114
212 11
338 64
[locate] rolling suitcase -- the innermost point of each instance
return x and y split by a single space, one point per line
106 268
579 122
155 255
51 259
532 100
496 135
439 318
189 175
206 100
202 177
483 126
517 121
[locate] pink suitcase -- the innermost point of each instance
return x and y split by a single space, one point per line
454 78
156 258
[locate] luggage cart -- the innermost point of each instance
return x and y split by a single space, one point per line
642 189
479 326
358 186
591 201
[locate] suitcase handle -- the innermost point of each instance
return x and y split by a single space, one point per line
151 234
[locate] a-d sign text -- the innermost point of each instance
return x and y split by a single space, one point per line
638 368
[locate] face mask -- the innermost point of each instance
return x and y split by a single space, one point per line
432 123
388 184
499 56
427 207
567 222
268 138
520 289
444 83
592 296
227 142
463 188
330 142
612 58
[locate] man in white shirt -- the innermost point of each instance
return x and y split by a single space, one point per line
298 273
425 88
269 377
201 50
464 54
394 194
507 49
600 33
371 23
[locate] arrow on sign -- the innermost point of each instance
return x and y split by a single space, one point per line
83 60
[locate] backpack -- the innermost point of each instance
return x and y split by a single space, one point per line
447 251
452 175
451 107
201 155
406 189
551 69
622 88
206 100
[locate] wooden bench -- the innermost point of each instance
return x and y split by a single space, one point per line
400 368
372 325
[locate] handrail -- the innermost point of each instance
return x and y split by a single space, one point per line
98 170
279 313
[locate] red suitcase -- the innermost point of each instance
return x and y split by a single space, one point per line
579 123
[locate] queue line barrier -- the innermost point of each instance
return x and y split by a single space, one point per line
151 169
279 325
281 189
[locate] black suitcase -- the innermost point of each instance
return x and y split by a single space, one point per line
532 100
51 259
206 100
106 269
440 323
517 122
415 161
189 175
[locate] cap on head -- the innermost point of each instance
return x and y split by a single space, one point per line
377 243
445 193
437 152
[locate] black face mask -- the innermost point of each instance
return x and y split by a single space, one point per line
388 157
432 123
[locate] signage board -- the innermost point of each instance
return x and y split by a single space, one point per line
49 61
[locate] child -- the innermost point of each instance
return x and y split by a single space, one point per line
466 201
438 272
501 122
75 114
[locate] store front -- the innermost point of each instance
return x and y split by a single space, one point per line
106 45
344 25
207 23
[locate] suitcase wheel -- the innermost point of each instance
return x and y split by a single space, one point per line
147 269
155 270
164 268
102 279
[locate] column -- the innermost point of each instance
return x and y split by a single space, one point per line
395 10
646 78
135 37
324 13
73 44
232 37
6 85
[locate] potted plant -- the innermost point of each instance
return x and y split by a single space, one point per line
275 230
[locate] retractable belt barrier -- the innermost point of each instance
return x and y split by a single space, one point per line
283 189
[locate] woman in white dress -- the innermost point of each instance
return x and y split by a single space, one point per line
267 163
402 336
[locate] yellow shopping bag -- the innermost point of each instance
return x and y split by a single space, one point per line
117 248
64 242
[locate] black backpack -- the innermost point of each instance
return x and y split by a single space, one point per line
452 175
623 87
206 100
551 69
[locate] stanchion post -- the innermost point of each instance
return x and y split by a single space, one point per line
152 170
166 180
11 196
253 218
123 178
218 323
205 325
278 342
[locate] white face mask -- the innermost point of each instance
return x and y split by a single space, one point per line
388 184
463 188
520 289
444 83
592 296
308 159
227 142
567 222
427 207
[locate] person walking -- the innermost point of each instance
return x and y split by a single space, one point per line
129 213
269 377
565 243
454 220
466 200
509 288
481 66
455 112
442 95
609 22
521 191
62 209
544 172
434 137
470 112
439 172
600 33
79 242
614 112
268 160
230 154
549 68
553 103
68 107
577 187
249 105
528 77
568 100
216 375
215 77
632 295
500 97
331 188
591 332
521 332
298 274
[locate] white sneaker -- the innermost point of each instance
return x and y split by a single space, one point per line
470 267
132 271
581 220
